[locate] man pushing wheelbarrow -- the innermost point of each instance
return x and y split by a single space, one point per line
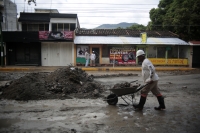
151 78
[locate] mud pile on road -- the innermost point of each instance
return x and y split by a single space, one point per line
64 83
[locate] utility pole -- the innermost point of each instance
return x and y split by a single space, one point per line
1 45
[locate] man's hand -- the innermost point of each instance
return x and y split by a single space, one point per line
149 81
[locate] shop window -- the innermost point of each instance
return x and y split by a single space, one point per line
182 52
41 27
66 27
105 51
151 52
161 52
60 27
46 26
33 27
63 27
172 51
54 27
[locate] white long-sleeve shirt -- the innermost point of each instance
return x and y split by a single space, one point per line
148 71
92 56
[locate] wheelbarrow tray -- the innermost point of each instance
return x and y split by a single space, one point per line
124 91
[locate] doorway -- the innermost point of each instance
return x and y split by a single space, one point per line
196 57
96 51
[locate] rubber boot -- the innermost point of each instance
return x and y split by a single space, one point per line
161 103
141 103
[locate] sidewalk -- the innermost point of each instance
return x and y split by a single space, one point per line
53 68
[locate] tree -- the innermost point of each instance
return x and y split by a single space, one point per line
137 27
178 16
29 2
119 28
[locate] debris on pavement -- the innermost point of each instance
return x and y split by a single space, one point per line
63 83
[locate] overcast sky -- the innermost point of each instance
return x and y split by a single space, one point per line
93 13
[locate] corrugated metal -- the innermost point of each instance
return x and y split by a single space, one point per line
126 40
57 54
195 43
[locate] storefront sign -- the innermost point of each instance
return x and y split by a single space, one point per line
56 35
162 61
80 51
143 37
122 55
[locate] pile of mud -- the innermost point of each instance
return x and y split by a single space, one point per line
64 83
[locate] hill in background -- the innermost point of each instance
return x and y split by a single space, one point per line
123 25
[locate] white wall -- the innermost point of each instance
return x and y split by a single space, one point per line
9 16
151 52
57 53
63 20
105 60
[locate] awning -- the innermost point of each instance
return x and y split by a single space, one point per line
126 40
194 43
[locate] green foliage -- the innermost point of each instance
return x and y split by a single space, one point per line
179 16
115 26
34 1
137 27
119 28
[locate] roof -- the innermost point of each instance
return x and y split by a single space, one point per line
34 17
196 43
122 32
37 10
126 40
42 17
53 15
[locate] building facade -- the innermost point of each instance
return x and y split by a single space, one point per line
195 54
8 11
45 38
119 46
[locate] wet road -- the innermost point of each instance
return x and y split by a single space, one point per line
182 115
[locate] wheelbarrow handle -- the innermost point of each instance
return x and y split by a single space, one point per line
141 87
133 81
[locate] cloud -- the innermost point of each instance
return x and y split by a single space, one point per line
92 13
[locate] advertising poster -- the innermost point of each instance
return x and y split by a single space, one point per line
123 55
80 51
56 35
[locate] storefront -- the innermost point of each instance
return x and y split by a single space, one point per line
122 50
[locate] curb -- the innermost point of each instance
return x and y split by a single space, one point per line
136 69
14 69
99 69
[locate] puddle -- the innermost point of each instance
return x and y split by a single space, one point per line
6 123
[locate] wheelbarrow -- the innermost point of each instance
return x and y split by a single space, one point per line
125 93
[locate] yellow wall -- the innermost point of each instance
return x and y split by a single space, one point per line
163 61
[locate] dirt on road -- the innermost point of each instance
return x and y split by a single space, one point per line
64 83
86 112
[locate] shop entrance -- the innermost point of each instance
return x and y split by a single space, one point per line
96 51
196 57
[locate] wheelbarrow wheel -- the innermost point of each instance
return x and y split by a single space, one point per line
112 99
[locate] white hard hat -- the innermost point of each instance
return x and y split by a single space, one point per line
140 52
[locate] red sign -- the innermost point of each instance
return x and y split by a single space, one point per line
122 56
56 35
